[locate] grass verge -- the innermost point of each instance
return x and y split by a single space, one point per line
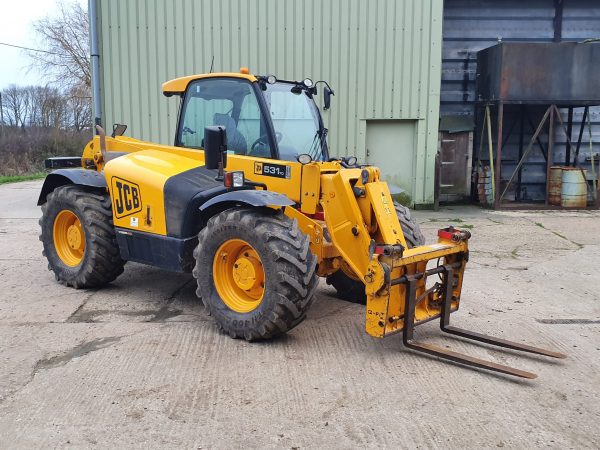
16 178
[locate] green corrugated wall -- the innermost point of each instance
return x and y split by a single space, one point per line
382 58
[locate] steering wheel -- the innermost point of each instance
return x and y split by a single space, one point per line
263 140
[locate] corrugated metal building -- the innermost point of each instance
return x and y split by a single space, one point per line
473 25
382 58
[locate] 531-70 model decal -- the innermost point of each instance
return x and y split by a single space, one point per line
126 195
272 170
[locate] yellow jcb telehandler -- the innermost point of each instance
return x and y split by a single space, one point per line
249 200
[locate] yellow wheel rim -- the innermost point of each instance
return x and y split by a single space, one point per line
69 238
239 275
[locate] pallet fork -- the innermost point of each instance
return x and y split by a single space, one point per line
398 299
430 349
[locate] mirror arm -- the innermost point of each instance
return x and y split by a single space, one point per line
326 84
222 162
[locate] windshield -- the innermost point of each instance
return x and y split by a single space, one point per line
296 121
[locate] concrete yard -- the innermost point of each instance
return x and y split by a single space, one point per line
140 364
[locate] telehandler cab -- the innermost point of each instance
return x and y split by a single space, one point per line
249 200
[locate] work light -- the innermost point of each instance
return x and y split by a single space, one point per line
308 82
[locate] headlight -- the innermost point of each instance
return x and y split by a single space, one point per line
308 82
271 79
304 158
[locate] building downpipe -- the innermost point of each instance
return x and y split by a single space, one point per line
95 61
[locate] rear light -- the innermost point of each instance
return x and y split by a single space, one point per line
233 179
452 234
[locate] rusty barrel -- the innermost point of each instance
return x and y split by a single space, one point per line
555 185
574 188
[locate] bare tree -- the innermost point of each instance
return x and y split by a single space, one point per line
37 109
53 108
36 96
48 107
65 39
79 108
15 104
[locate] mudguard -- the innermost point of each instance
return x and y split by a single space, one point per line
250 197
81 177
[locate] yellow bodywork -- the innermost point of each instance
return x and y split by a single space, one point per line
350 222
150 165
344 211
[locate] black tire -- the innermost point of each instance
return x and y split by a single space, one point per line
348 287
352 289
288 263
101 261
411 229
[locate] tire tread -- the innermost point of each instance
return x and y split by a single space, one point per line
296 277
102 262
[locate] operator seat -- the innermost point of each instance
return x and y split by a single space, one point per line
235 139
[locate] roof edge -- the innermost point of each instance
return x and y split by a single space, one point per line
178 86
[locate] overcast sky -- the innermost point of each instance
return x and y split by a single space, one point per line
16 28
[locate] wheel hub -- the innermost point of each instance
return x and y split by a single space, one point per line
238 275
244 273
74 237
69 238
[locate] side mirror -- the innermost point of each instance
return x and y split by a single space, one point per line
327 93
215 147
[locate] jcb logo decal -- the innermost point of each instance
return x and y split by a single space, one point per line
258 168
126 197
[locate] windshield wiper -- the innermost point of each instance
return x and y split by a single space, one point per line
318 143
313 146
321 142
324 140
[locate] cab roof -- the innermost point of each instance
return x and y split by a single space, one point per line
179 85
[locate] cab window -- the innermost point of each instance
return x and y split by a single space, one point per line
227 102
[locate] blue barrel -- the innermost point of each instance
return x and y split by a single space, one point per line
573 193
